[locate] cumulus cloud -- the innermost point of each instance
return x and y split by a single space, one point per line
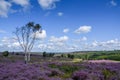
83 29
22 3
7 43
94 44
60 39
60 13
16 44
66 30
110 44
48 4
113 3
42 35
42 46
57 43
83 38
4 8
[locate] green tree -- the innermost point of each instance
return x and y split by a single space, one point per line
62 55
5 53
44 54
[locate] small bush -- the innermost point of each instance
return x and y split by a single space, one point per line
5 53
71 56
44 54
62 55
17 53
80 75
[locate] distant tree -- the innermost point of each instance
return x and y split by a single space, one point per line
68 55
44 54
51 54
17 53
48 54
5 53
72 56
26 36
62 55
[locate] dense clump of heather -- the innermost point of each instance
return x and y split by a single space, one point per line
21 71
59 71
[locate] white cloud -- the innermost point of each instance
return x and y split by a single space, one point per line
83 29
83 38
2 31
23 3
60 13
7 43
97 45
66 30
73 47
57 43
42 35
16 44
60 39
62 44
42 46
110 44
5 39
113 3
48 4
94 44
4 8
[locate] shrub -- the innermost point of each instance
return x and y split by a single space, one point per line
44 54
51 54
48 54
5 53
17 53
81 75
70 56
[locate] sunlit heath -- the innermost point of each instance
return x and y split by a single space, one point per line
59 39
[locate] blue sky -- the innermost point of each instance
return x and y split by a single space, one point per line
68 25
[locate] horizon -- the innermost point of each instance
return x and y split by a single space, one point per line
67 26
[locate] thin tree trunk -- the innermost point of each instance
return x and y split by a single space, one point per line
25 58
28 56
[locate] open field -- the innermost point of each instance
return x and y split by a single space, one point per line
59 39
57 68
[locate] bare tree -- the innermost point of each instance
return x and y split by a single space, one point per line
26 36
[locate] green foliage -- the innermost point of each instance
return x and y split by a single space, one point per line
62 55
51 54
68 55
52 65
5 53
97 55
44 54
48 54
107 74
17 54
71 56
67 70
114 57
